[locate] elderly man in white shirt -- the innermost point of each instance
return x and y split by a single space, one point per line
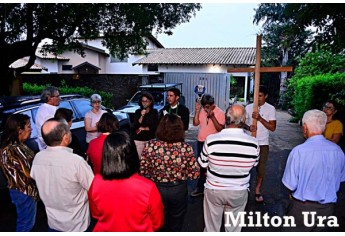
51 98
63 180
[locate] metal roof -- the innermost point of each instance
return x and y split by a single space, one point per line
180 56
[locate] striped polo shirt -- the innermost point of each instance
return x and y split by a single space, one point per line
229 156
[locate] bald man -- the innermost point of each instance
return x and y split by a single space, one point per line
228 156
63 180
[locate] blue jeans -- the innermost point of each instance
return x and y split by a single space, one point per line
26 208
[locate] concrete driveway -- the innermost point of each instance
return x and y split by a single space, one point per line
286 136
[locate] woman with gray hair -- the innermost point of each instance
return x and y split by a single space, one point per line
92 117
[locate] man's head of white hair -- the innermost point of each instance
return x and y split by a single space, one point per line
235 115
315 120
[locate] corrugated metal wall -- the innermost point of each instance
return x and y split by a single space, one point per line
217 85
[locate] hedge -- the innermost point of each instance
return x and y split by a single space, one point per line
312 91
34 89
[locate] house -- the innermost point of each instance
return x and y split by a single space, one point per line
190 66
202 66
97 60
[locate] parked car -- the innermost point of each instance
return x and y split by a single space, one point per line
159 93
78 104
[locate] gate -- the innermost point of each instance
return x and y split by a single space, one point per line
218 85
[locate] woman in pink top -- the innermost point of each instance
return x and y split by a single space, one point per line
106 125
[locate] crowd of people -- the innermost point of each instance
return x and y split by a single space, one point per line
138 182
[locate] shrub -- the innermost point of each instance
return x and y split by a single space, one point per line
312 91
318 63
34 89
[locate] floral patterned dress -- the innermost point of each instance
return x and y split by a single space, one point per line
168 162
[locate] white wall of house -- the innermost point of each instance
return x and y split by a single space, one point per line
189 68
98 59
121 67
124 67
91 56
97 43
51 65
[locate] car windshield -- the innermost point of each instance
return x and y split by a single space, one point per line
157 96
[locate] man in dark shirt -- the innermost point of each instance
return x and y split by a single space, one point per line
174 107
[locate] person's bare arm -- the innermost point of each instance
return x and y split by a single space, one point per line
216 124
88 128
196 120
270 125
336 138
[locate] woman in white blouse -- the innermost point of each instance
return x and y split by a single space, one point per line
92 117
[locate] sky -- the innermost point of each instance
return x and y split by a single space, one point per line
216 25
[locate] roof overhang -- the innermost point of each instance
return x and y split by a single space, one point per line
86 64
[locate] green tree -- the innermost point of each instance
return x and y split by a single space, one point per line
325 20
122 26
283 43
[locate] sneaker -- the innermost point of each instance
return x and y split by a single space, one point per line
197 192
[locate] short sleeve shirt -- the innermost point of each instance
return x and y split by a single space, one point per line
206 126
95 117
267 112
334 127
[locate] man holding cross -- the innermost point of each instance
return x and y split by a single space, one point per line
266 121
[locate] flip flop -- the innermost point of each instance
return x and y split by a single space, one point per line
259 198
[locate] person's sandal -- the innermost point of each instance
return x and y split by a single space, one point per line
259 198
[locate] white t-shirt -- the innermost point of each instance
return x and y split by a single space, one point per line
267 112
44 112
94 117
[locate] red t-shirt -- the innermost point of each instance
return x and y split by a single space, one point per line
94 152
126 205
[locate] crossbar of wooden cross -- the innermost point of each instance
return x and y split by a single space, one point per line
257 70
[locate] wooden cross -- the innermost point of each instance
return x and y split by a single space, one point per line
257 70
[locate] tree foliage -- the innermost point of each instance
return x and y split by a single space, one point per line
309 87
325 21
322 61
122 26
294 29
282 37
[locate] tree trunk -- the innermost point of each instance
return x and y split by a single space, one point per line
10 83
283 78
6 80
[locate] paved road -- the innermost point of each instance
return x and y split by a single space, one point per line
287 136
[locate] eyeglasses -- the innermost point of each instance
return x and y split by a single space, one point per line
328 107
96 101
55 96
